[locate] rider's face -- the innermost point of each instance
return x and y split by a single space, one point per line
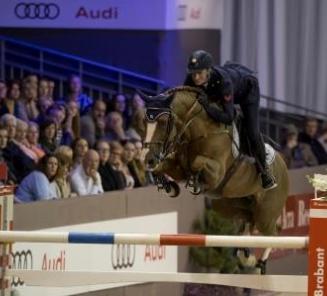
200 77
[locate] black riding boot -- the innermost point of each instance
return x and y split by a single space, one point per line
267 179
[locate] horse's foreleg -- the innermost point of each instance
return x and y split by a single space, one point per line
172 168
211 171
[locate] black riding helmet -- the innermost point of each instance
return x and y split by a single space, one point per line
199 60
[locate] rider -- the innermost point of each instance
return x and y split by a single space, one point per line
228 85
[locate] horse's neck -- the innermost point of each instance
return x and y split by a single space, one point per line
201 124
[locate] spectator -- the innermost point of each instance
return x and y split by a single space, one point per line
61 185
36 186
5 155
57 113
48 137
93 123
3 90
309 136
80 148
29 99
43 105
138 114
296 154
85 178
33 139
117 163
72 123
32 80
11 104
21 141
115 129
133 167
75 94
44 90
52 86
22 164
111 178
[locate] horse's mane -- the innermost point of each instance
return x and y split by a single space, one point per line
192 89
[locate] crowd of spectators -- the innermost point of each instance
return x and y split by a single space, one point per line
306 148
60 147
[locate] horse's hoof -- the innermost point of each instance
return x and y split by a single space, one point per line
174 189
195 190
262 266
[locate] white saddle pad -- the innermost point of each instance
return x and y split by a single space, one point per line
270 151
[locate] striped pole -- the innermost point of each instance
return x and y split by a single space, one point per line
289 242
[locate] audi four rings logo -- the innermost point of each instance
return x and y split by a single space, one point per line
39 11
21 260
122 256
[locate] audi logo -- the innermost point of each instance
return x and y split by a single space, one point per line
39 11
20 260
122 256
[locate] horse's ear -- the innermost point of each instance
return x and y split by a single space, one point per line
143 96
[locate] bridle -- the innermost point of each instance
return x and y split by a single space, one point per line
170 143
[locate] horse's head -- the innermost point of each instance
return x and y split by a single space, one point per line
168 115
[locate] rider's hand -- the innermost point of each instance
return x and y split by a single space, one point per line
203 100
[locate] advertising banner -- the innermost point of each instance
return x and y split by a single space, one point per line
75 257
112 14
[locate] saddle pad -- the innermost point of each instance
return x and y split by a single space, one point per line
270 151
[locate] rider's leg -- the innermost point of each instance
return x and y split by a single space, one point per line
250 109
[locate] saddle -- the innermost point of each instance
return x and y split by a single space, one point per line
241 144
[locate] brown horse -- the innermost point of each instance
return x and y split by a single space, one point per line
183 142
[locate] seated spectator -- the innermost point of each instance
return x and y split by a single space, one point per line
43 90
111 178
135 168
297 155
310 137
32 79
75 94
80 148
11 103
29 99
43 105
32 137
85 177
48 136
61 184
117 163
52 86
93 123
138 115
115 129
5 156
119 104
22 164
21 141
57 113
72 123
36 186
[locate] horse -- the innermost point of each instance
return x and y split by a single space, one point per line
183 142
